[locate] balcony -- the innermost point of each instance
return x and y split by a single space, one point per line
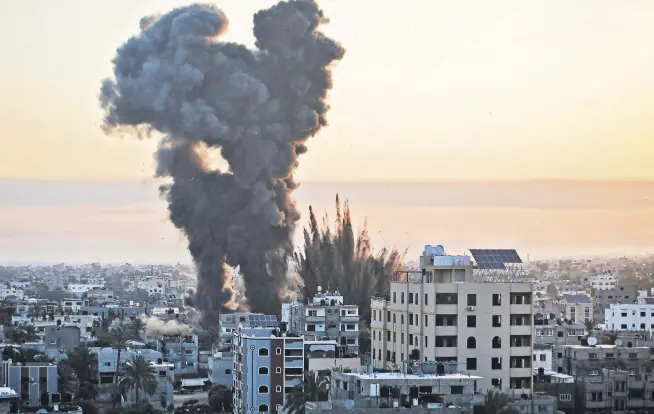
310 319
521 309
349 318
521 330
446 309
446 330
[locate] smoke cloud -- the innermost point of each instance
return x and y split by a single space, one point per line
178 81
155 326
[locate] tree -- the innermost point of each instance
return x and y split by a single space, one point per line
84 364
192 407
496 402
139 375
136 327
118 338
590 327
313 388
609 337
68 380
335 259
88 407
220 399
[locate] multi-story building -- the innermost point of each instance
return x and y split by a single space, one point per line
588 361
606 297
441 314
61 339
604 281
578 308
182 351
267 365
34 382
229 323
153 286
324 317
617 391
8 290
73 305
221 365
107 360
630 317
329 355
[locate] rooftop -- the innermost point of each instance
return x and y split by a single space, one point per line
581 299
402 376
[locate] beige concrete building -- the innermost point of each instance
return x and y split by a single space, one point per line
440 314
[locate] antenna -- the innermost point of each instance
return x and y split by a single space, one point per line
592 341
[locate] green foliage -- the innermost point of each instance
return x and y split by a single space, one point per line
89 407
314 387
84 364
139 376
24 355
192 407
220 399
21 334
496 402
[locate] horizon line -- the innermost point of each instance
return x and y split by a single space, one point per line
375 181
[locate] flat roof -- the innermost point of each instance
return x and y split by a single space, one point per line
329 342
605 347
401 376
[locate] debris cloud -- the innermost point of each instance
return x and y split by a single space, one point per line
178 81
155 326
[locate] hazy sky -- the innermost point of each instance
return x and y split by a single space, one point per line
428 90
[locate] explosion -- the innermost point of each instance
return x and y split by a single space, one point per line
178 81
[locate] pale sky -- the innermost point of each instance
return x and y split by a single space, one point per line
428 90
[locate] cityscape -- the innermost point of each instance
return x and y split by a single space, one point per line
315 207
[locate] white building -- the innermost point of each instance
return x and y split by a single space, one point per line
153 286
629 317
542 357
440 314
604 281
6 291
78 289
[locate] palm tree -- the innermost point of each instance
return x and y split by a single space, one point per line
118 338
84 364
139 375
590 327
136 326
68 380
313 388
496 402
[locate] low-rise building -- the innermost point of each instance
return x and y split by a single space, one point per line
79 289
613 391
542 357
73 305
221 365
329 355
163 394
604 281
182 351
605 298
588 361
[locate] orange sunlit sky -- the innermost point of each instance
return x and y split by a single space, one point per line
428 91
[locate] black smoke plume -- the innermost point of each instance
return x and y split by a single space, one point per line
176 79
336 260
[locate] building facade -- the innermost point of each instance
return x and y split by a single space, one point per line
33 382
324 316
440 314
604 281
577 308
267 365
630 317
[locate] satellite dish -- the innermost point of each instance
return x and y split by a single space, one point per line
618 342
349 404
440 250
592 341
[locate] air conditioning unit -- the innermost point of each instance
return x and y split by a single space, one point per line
470 308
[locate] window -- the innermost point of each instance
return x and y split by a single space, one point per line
472 299
497 299
472 321
350 327
263 370
456 389
642 314
263 389
496 363
410 339
393 318
188 352
497 342
53 342
426 320
497 321
471 342
228 371
446 299
263 408
471 364
278 351
426 299
426 342
401 297
278 388
410 297
543 357
394 297
263 351
410 319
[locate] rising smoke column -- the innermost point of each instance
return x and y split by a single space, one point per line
176 79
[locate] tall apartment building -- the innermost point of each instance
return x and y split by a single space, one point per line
326 317
267 365
440 314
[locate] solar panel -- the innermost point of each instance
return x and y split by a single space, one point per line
494 258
